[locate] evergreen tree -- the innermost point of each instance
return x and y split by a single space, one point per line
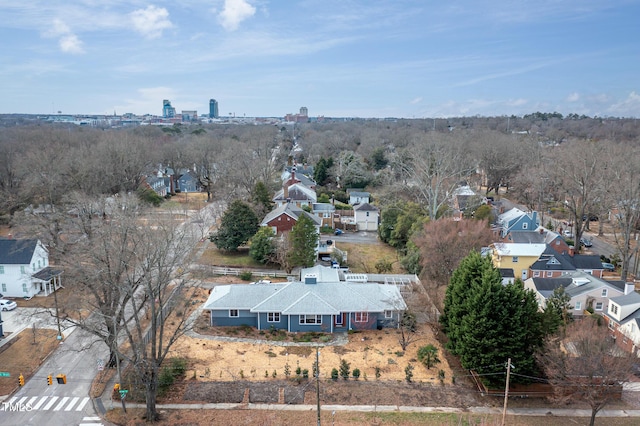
557 312
303 239
321 172
262 245
261 198
488 322
239 223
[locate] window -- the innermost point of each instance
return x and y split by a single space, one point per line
33 266
367 214
549 274
536 274
514 259
362 316
273 317
525 225
24 288
599 306
1 269
339 319
388 314
614 309
310 319
234 313
604 292
4 288
611 326
578 306
22 269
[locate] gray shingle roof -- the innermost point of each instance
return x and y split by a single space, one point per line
298 298
16 252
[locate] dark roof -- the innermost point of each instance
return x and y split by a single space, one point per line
365 207
45 274
17 252
550 284
587 261
617 284
532 237
507 273
551 260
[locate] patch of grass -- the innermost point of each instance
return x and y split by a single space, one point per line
270 354
236 259
363 257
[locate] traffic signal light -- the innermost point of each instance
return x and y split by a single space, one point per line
116 387
21 380
49 380
62 379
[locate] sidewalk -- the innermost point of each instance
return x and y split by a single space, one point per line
539 412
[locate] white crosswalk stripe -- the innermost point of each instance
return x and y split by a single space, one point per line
50 403
61 404
42 400
72 403
31 401
95 421
82 403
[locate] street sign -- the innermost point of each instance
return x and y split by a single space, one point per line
5 374
123 393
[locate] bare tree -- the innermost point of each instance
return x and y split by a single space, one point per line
437 166
625 203
136 286
586 366
582 180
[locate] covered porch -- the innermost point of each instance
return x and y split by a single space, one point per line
47 280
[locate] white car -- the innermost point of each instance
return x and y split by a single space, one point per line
7 305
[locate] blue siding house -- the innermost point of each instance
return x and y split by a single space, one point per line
517 220
319 302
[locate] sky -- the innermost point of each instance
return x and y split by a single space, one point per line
338 58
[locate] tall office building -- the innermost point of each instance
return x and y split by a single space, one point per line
167 110
213 108
304 111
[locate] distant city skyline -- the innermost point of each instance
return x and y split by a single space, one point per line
362 58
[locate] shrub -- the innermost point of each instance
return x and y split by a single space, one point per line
345 369
408 373
334 374
287 370
246 275
356 373
428 355
378 372
305 373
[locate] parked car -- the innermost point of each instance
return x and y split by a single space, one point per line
608 266
586 242
567 233
7 305
338 232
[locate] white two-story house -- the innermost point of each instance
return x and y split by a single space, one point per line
25 270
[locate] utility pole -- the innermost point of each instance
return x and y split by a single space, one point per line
318 381
506 391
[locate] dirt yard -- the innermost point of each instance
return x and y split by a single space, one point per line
38 343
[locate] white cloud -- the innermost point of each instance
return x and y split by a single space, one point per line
151 22
234 12
628 107
67 40
70 43
416 100
573 97
148 99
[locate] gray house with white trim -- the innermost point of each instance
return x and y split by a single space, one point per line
320 302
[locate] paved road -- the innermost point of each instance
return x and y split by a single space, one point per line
37 403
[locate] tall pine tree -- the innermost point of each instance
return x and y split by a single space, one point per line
488 322
303 239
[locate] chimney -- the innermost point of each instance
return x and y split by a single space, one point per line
572 251
629 287
285 187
